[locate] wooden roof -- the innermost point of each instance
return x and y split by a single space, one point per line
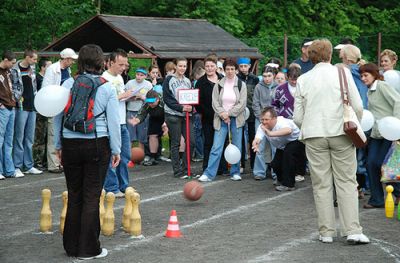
165 38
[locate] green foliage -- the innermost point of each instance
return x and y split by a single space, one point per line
36 23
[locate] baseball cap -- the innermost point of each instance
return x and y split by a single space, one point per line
340 46
308 43
68 53
243 60
141 70
344 42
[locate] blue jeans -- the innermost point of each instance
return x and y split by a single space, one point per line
218 147
24 134
117 178
377 150
137 132
198 151
260 167
7 118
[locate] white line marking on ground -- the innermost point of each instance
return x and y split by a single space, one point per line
276 252
387 247
44 180
29 184
207 220
59 196
56 221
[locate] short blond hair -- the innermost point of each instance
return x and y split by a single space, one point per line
351 53
391 54
320 51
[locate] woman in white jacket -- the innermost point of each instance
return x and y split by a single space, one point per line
318 110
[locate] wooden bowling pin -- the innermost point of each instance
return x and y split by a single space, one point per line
63 211
45 213
389 202
135 228
109 219
101 206
126 216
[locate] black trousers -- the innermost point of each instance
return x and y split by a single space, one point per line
176 128
208 131
251 132
289 162
85 166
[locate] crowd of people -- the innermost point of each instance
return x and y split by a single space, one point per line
286 122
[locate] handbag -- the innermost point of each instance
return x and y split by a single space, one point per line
391 165
351 125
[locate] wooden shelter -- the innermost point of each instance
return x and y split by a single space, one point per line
161 39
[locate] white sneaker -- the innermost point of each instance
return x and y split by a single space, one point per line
204 178
326 239
18 173
299 178
165 159
357 239
33 170
236 177
104 253
2 177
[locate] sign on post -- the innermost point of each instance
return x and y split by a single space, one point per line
188 97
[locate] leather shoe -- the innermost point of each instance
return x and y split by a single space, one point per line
368 206
56 171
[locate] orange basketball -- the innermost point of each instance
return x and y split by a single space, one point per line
193 190
137 154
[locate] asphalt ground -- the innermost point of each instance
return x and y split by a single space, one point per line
246 221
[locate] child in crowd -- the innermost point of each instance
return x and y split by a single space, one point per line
140 86
264 93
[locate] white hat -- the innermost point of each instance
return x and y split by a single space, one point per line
68 53
340 46
307 44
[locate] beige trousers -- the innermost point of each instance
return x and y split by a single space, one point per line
333 161
52 161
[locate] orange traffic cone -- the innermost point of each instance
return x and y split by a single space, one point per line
173 226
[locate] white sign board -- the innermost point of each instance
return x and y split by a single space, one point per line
188 96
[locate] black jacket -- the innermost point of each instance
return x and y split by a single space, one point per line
205 108
251 81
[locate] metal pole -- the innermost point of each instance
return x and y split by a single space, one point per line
285 51
379 48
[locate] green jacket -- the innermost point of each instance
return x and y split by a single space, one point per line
382 102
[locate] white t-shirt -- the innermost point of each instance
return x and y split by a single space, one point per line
142 88
117 83
280 141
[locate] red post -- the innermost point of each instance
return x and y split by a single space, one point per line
188 144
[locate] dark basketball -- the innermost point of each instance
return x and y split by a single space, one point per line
137 154
193 190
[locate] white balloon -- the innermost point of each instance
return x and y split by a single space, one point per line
51 100
367 120
389 127
246 113
232 154
392 77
